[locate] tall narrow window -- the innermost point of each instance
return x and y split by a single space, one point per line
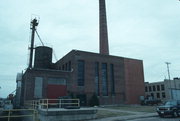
104 80
158 95
112 79
162 87
80 80
97 78
63 67
66 66
158 87
149 88
69 66
152 94
154 88
163 95
146 89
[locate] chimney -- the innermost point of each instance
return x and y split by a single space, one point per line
104 46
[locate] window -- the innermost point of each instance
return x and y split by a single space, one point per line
81 73
66 66
154 88
104 80
97 78
146 89
69 66
158 95
158 88
163 95
63 67
150 89
112 79
162 87
152 95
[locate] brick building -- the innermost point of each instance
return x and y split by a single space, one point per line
80 74
112 78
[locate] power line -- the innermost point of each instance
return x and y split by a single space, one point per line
39 38
55 57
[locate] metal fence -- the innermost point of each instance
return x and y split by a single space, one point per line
17 113
32 106
52 103
59 103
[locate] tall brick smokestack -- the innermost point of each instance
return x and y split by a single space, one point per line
103 31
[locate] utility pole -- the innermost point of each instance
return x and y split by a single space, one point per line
169 78
168 69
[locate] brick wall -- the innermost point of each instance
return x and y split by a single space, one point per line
134 81
128 73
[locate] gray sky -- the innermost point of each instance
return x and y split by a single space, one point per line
142 29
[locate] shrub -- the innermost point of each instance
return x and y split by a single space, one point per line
94 101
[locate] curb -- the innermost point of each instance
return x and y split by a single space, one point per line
135 117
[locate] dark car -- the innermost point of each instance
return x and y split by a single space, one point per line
151 102
169 108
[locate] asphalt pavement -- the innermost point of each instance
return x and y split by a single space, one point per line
136 115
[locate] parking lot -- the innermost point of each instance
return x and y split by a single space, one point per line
130 113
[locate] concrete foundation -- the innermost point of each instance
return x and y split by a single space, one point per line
67 114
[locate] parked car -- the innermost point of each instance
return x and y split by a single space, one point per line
151 102
169 108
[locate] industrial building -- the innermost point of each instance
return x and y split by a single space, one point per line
163 90
80 74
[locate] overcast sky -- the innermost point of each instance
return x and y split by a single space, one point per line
142 29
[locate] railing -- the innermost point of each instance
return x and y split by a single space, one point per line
32 105
53 103
58 103
16 113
